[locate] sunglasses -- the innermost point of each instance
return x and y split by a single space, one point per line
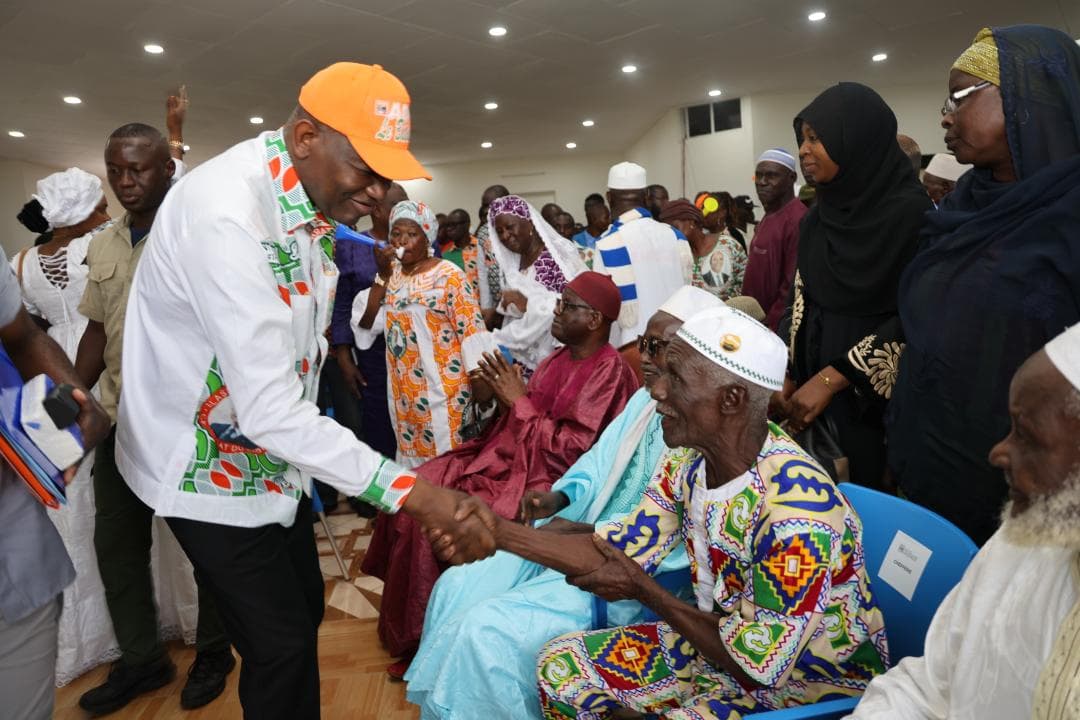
651 346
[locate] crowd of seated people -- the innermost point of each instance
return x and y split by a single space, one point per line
561 412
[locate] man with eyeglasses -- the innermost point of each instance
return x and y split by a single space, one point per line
486 622
544 427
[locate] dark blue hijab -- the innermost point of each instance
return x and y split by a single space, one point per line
996 277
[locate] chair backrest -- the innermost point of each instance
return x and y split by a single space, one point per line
914 558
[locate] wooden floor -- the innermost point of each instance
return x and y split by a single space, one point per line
352 662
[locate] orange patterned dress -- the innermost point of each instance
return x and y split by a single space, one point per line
426 318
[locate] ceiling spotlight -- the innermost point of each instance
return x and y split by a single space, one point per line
153 48
72 99
587 123
486 144
816 16
497 31
491 106
16 133
880 57
571 145
629 69
715 93
255 120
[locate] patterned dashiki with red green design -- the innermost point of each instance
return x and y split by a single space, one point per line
225 462
776 554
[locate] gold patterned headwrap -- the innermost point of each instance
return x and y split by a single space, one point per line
981 59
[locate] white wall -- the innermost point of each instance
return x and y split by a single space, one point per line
567 179
18 181
725 160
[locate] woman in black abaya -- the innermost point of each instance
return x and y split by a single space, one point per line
843 330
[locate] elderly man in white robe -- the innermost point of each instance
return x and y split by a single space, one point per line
1005 644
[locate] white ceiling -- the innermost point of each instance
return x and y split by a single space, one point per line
559 63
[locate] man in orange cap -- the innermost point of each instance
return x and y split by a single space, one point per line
218 428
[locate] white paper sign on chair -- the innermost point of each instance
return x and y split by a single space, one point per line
904 564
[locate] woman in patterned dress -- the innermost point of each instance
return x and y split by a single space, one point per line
428 311
719 261
536 264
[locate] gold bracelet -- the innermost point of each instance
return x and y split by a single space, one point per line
378 280
825 379
177 145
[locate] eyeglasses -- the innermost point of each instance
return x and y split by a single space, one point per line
561 305
651 345
954 99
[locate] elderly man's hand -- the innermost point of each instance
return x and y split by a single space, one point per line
461 528
536 505
619 578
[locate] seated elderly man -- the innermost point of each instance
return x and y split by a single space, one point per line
487 621
1004 643
784 614
544 428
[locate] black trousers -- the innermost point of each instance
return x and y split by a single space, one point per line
269 591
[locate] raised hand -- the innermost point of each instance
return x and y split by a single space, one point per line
504 379
176 111
619 578
536 505
384 261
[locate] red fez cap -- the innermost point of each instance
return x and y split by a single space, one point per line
599 291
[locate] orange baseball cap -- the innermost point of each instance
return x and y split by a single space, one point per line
370 107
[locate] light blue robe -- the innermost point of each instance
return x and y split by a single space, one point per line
486 622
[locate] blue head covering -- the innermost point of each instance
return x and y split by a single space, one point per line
419 213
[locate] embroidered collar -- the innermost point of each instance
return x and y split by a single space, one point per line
294 205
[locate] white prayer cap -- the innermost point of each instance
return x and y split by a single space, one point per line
68 197
780 156
738 343
626 176
1064 352
688 300
945 166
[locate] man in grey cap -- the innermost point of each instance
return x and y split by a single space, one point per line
648 260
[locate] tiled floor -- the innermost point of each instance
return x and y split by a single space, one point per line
352 663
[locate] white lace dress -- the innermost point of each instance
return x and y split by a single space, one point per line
52 288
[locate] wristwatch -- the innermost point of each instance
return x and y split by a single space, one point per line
379 281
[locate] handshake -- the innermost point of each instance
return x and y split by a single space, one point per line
460 528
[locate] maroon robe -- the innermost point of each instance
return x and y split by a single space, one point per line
567 405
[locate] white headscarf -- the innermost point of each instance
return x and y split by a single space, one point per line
563 251
69 197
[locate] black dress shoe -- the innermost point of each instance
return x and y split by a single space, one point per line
125 683
206 678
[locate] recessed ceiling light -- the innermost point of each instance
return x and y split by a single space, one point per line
497 31
491 106
255 120
72 99
880 57
587 123
816 16
571 145
153 48
16 133
486 144
716 93
629 69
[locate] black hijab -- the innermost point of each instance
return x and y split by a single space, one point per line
864 229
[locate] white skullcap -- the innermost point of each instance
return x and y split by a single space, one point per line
688 300
626 176
739 344
945 166
1064 352
780 156
67 198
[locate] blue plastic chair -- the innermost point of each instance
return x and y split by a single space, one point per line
906 621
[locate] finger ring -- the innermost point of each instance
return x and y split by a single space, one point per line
494 377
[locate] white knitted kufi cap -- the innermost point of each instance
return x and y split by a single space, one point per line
738 343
